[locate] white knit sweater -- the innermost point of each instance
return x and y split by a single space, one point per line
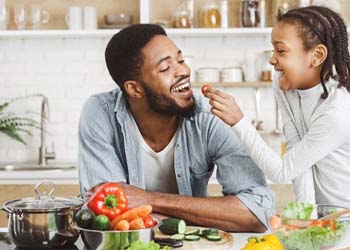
317 134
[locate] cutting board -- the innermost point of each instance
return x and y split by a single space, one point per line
224 244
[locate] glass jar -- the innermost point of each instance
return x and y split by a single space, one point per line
183 15
283 6
210 15
250 13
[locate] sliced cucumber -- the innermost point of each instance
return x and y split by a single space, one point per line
209 231
192 231
173 226
213 237
177 236
192 237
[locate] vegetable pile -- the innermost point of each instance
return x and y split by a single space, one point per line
108 210
319 233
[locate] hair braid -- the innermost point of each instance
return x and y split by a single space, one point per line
341 64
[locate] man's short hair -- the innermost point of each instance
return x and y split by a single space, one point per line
123 53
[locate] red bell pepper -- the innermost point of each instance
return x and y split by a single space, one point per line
110 200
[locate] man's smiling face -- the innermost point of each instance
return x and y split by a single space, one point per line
165 78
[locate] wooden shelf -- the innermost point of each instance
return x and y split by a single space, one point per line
106 33
235 84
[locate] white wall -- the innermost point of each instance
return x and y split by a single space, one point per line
69 70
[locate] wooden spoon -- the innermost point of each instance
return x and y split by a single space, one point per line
336 214
307 223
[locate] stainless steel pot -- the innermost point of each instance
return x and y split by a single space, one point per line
44 221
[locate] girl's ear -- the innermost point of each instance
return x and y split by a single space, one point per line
133 89
319 55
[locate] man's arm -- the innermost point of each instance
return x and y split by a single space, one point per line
226 213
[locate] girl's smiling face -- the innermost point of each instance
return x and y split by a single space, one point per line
291 61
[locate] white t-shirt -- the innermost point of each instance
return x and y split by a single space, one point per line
159 167
317 134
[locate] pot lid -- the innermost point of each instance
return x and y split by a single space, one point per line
43 202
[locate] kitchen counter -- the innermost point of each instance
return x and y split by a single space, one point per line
34 177
239 239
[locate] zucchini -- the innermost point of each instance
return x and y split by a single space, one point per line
213 237
172 226
192 237
177 236
192 231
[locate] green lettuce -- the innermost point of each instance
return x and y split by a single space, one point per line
139 245
298 210
311 238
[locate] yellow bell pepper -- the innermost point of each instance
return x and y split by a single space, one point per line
267 242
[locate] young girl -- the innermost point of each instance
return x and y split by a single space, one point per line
312 85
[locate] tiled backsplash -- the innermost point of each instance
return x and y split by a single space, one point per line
69 70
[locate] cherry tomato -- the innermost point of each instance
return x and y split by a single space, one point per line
205 88
275 221
149 221
318 223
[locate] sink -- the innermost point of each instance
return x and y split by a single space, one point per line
35 167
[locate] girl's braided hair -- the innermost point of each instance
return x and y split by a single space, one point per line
320 25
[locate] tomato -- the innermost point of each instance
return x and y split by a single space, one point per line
275 221
318 223
149 221
205 88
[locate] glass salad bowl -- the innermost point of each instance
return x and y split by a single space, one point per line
300 227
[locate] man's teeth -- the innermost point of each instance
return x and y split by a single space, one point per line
182 86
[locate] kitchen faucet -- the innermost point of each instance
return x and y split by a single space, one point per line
43 154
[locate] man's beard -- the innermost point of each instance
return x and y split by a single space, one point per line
164 105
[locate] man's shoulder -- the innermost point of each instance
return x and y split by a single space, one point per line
102 100
105 97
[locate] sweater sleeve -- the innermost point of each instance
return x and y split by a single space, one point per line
324 136
304 183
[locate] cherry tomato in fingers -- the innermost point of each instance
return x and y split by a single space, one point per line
205 88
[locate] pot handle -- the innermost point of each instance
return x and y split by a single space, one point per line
5 209
39 194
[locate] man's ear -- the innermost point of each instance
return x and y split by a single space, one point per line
319 55
133 89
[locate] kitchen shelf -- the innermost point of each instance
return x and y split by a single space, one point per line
196 32
106 33
259 84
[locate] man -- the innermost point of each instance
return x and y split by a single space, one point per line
154 135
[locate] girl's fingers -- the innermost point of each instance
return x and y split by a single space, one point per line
216 92
217 112
216 98
218 105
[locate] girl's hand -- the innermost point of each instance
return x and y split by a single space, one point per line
223 106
